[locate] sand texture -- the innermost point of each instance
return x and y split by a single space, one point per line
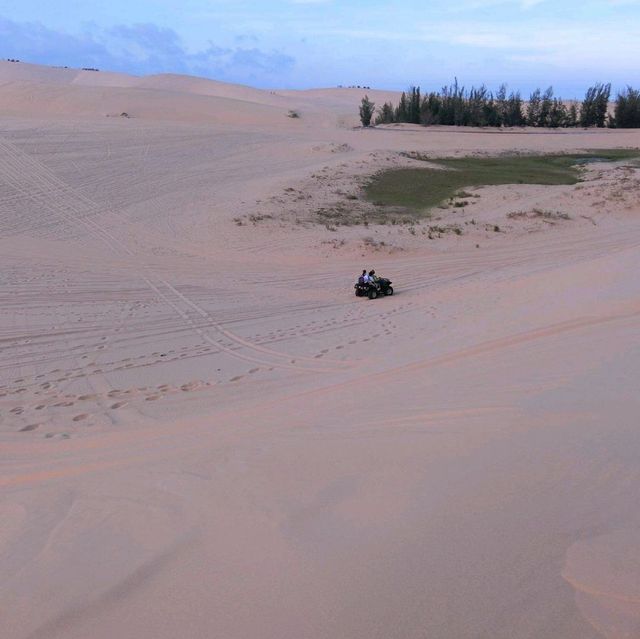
205 434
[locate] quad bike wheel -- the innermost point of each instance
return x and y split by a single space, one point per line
373 294
389 290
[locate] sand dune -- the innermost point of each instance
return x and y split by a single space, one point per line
204 433
29 89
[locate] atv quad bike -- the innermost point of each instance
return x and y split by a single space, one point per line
373 290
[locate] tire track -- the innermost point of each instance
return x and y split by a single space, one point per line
73 207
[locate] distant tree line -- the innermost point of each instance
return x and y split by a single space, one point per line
456 106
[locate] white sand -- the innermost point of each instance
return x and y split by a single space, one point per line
204 433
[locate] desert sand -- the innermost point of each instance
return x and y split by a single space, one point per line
205 434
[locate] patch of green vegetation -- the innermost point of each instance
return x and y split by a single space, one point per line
420 189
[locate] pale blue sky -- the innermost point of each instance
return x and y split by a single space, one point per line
305 43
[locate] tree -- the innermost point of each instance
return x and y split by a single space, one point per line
502 105
367 109
595 105
544 116
533 109
558 116
385 114
402 111
514 115
430 109
454 105
480 107
627 109
413 105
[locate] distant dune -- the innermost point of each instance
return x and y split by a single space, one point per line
40 90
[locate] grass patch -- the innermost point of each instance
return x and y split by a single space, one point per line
418 189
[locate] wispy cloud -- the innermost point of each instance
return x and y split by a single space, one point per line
323 42
139 48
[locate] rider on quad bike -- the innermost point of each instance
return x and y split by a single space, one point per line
371 286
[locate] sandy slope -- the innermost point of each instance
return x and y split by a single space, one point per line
205 434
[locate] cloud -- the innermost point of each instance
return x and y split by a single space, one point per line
142 48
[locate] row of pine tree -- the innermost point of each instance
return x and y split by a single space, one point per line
456 106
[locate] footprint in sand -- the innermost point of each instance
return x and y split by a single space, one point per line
30 427
60 404
117 405
236 378
84 398
40 406
18 410
152 398
80 417
253 370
